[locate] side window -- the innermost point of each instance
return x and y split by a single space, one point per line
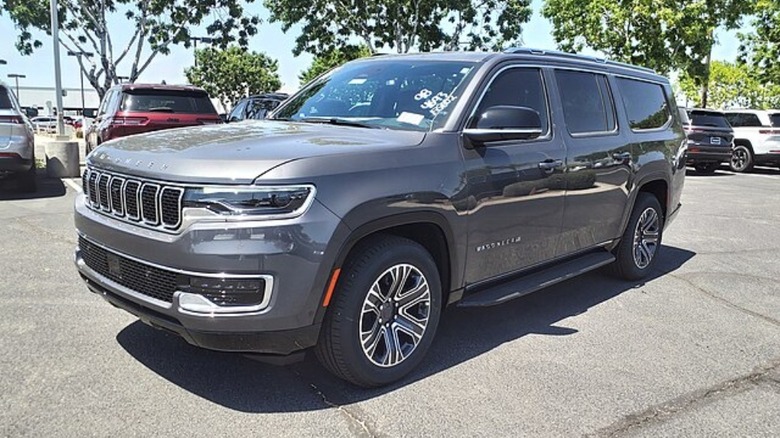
518 87
587 102
734 119
645 104
104 105
751 120
238 112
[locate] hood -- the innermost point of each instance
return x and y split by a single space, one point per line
237 153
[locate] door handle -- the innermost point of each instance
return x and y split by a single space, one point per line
621 156
550 165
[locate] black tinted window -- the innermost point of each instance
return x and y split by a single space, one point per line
184 102
706 118
743 120
775 119
5 99
645 104
238 112
518 87
258 108
587 104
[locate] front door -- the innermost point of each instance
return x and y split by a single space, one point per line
516 187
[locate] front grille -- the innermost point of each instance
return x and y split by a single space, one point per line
142 278
146 203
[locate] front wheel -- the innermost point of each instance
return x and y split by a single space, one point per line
384 312
638 249
741 159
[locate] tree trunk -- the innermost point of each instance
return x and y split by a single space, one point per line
705 86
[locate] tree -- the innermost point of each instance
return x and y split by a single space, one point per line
664 35
155 25
402 25
761 48
326 61
733 85
233 73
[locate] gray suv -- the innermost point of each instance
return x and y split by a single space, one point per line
380 194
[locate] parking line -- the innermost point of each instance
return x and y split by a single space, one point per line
72 184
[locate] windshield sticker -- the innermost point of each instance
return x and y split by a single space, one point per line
411 118
358 81
438 103
423 94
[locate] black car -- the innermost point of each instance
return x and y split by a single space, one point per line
255 107
710 139
381 193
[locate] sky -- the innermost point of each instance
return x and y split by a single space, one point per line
270 39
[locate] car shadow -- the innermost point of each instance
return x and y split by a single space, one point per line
718 172
47 188
239 383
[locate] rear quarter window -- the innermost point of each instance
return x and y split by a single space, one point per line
742 120
5 99
775 120
645 104
183 102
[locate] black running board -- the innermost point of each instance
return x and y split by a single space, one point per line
527 284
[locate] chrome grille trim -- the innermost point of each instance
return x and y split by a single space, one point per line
138 201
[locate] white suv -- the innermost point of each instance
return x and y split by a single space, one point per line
755 138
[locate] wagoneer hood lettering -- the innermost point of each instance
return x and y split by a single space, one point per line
239 152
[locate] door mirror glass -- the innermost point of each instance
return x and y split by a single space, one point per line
504 122
31 112
90 113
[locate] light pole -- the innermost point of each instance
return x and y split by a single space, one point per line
55 36
16 78
207 40
78 55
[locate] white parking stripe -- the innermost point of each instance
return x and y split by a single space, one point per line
72 184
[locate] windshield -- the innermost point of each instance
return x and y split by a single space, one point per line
393 94
706 118
775 119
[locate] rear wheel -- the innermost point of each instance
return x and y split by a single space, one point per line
638 249
384 312
706 168
741 159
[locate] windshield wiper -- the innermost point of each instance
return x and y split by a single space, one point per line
336 121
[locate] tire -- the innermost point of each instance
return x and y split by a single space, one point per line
353 318
25 182
741 159
634 260
706 168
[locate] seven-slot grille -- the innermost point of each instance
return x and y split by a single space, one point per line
139 201
140 277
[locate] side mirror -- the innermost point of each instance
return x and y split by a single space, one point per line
90 113
31 112
504 122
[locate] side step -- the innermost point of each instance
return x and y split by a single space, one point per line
527 284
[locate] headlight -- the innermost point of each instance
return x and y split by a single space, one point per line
251 201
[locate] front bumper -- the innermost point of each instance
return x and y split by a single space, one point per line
291 252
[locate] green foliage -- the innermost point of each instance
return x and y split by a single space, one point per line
733 86
329 60
664 35
762 48
402 25
233 73
154 25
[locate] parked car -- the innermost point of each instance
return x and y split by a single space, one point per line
255 107
129 109
752 130
17 142
710 139
468 179
45 124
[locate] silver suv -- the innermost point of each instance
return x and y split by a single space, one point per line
17 142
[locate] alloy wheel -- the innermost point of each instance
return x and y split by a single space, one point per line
739 159
395 315
646 237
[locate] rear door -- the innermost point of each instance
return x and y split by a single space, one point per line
514 185
144 110
598 163
709 129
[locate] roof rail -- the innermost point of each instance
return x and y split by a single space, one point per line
566 55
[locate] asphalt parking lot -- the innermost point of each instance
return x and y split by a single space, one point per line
693 351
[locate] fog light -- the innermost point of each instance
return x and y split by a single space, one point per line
223 295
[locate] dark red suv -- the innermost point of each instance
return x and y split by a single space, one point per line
129 109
